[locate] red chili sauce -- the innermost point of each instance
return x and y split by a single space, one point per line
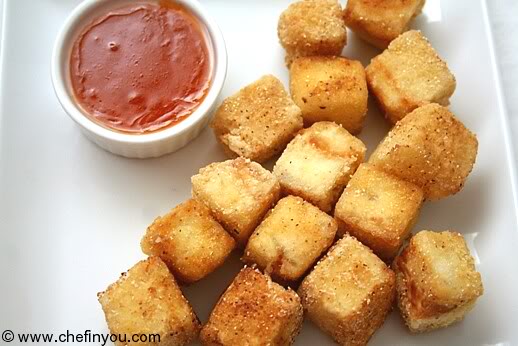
141 68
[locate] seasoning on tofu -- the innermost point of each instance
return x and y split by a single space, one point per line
431 148
318 163
378 209
349 292
238 194
258 121
437 282
256 310
147 300
407 75
189 240
378 22
290 239
312 27
330 89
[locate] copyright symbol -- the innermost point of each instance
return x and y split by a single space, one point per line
7 335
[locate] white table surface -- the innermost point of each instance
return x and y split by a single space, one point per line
504 24
501 12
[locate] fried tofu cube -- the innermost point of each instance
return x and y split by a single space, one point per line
437 282
431 148
290 239
349 292
147 300
330 88
312 27
380 21
256 311
258 121
189 241
409 74
379 210
238 193
317 164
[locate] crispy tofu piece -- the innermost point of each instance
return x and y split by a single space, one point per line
431 148
312 27
380 21
189 241
290 239
437 282
409 74
238 193
318 163
147 300
256 311
349 292
379 210
330 88
258 121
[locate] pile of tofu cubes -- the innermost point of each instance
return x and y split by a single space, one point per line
325 221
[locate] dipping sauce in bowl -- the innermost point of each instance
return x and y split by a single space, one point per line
141 68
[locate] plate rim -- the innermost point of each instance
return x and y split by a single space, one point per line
512 162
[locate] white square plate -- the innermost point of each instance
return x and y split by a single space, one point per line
72 215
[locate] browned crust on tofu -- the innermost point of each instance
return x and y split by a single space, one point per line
378 22
330 88
349 273
407 75
189 241
379 210
147 300
431 148
318 163
258 121
290 239
255 309
238 193
426 300
312 27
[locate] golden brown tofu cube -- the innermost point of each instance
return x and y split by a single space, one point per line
349 292
312 27
254 311
147 300
189 241
380 21
290 239
330 88
431 148
409 74
379 210
437 282
318 163
258 121
238 193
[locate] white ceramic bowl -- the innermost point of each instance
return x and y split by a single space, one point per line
130 145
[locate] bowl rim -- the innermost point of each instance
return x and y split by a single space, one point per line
64 94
